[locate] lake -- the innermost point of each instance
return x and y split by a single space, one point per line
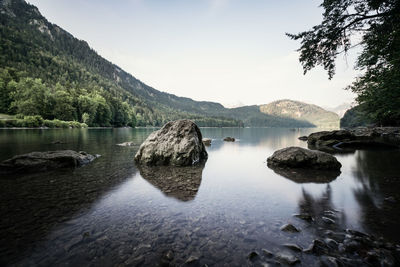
109 213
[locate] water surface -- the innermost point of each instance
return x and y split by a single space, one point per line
110 213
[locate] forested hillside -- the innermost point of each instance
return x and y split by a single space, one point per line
46 72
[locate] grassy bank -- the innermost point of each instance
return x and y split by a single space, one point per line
10 121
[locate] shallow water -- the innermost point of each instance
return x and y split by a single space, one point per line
109 213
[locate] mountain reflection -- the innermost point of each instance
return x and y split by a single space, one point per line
181 183
301 176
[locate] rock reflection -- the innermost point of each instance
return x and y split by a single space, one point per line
302 176
181 183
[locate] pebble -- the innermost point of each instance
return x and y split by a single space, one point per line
289 228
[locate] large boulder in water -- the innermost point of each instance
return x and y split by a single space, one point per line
297 157
45 161
177 143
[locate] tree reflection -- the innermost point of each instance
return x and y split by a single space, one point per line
322 211
378 175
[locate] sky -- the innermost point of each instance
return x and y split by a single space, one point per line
234 52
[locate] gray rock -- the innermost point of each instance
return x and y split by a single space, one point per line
287 259
318 247
327 261
252 256
303 138
177 143
207 141
126 144
267 253
347 140
289 228
192 260
229 139
297 157
293 247
46 161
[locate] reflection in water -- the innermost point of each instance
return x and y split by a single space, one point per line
105 214
301 176
321 210
378 191
179 182
32 205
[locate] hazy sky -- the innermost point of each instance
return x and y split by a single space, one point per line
228 51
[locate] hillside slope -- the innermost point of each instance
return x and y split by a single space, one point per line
78 84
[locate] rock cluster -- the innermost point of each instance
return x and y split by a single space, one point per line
354 138
297 157
177 143
45 161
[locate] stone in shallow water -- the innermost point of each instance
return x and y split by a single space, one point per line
253 256
293 247
303 138
267 253
126 144
207 141
289 228
46 161
298 157
229 139
287 259
177 143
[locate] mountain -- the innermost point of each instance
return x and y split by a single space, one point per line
46 71
355 117
301 111
340 110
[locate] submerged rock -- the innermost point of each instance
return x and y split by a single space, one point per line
229 139
45 161
177 143
207 141
287 259
252 256
293 247
303 138
297 157
126 144
289 228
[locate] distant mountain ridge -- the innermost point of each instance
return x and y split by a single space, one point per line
33 47
301 111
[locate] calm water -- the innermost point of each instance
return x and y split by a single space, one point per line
109 213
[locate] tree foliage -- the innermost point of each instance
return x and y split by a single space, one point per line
375 26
